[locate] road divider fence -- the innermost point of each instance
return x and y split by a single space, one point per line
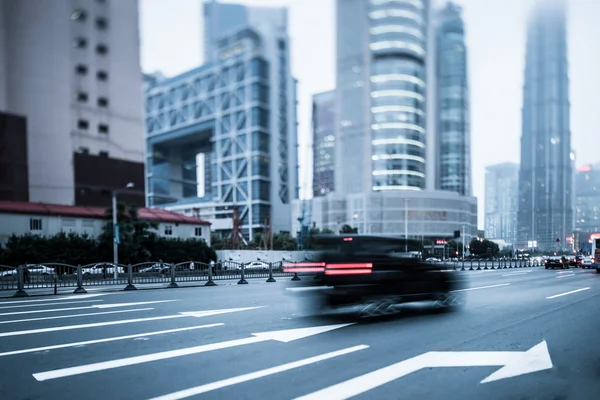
58 275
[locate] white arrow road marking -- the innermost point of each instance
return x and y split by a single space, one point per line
567 293
53 304
85 308
481 287
79 296
111 339
514 363
125 321
281 336
14 321
257 375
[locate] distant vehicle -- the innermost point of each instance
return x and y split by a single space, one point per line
433 259
103 268
587 262
160 268
34 269
556 262
371 276
255 265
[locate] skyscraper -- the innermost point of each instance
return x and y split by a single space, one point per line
323 120
385 147
223 136
587 188
72 69
453 124
381 78
501 199
546 177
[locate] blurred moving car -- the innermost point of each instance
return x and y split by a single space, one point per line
556 262
372 276
34 269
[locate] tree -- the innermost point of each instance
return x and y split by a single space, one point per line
327 231
484 248
348 229
133 231
283 241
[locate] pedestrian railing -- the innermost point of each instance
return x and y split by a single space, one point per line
80 277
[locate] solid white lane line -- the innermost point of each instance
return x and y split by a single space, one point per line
481 287
14 321
567 293
124 362
516 273
197 314
564 276
53 304
96 306
257 375
111 339
84 326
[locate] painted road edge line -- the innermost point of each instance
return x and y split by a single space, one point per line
51 304
567 293
564 276
257 375
111 339
482 287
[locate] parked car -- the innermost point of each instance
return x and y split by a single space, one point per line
255 265
102 268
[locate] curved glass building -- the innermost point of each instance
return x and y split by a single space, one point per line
397 42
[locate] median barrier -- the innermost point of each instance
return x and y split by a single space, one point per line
60 275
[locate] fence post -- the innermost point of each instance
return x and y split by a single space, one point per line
173 284
271 279
243 280
129 278
80 288
20 283
463 265
55 284
210 281
471 268
478 264
492 264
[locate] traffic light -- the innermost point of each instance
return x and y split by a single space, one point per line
456 234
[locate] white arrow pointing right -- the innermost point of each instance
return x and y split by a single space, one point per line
281 336
514 363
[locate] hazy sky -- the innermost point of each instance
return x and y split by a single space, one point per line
171 34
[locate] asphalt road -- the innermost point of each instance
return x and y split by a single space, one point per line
532 333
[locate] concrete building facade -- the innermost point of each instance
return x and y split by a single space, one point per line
72 69
501 202
323 135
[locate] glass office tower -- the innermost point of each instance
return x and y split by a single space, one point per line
545 211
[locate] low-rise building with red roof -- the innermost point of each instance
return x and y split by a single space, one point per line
20 218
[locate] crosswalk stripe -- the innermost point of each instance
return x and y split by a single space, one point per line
14 321
105 340
258 374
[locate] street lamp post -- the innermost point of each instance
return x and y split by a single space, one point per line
130 185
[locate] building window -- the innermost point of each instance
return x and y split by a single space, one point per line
102 75
79 15
198 231
35 224
81 70
102 49
83 124
80 43
82 97
103 154
103 128
101 23
168 230
102 102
